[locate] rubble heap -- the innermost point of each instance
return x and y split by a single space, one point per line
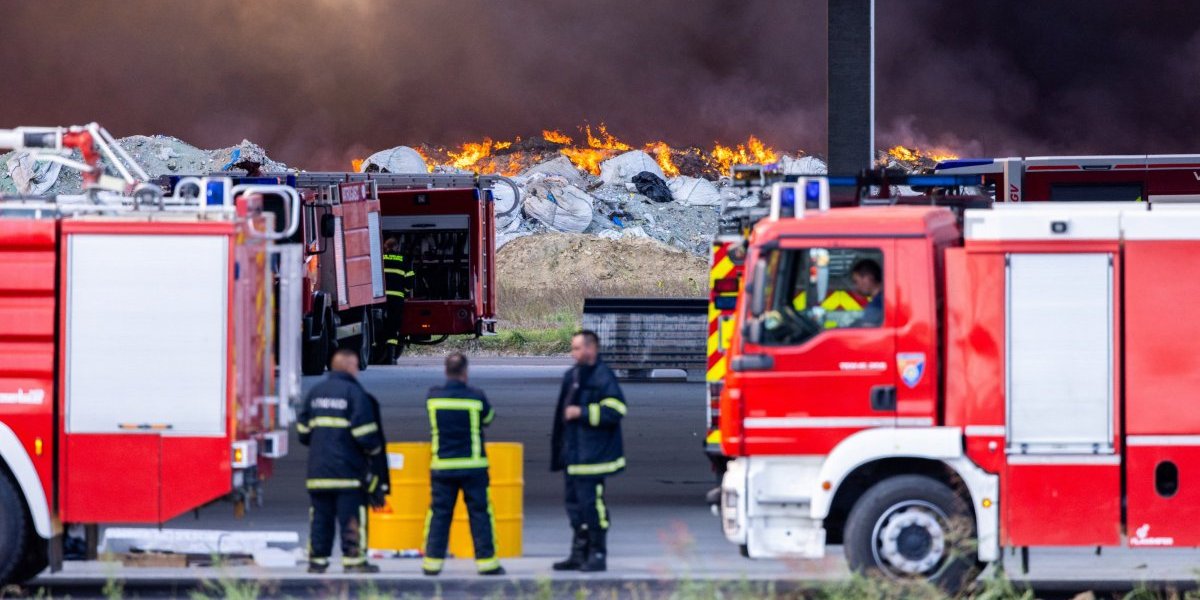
599 185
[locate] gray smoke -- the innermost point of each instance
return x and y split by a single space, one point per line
322 81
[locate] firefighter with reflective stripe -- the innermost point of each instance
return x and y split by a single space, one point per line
398 277
339 422
457 415
586 444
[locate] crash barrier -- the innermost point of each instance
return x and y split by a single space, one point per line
400 525
639 335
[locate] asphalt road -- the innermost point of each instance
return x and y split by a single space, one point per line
662 529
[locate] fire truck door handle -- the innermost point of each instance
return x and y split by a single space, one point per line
883 397
752 362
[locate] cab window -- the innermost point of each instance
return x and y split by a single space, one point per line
812 290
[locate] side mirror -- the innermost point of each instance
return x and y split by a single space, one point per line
758 297
327 225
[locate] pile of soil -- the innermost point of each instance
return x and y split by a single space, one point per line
632 265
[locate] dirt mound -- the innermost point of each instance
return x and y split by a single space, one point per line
600 266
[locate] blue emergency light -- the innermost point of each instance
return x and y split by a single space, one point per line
812 194
214 192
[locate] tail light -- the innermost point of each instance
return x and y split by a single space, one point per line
714 404
245 454
729 285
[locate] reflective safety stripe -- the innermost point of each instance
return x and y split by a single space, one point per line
491 416
487 564
395 293
594 415
614 404
332 484
473 407
362 532
362 430
598 468
400 272
354 561
302 428
601 509
335 422
318 561
454 404
374 484
432 564
394 342
396 257
444 464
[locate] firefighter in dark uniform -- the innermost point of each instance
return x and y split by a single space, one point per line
339 422
586 444
457 415
398 277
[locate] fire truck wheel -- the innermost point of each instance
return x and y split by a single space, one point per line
314 356
36 558
365 340
14 529
912 527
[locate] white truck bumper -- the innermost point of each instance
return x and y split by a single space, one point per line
766 506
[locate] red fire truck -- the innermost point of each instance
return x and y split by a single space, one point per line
138 375
1020 388
444 223
1152 178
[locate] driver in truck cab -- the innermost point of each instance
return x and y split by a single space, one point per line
868 281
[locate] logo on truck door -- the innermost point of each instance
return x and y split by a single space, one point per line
911 366
1142 538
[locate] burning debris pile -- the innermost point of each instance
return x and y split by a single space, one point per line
590 182
594 183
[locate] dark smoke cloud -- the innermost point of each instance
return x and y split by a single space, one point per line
320 81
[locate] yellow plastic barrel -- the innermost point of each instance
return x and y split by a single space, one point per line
400 525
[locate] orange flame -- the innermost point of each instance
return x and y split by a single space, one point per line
912 155
556 137
595 145
662 155
753 151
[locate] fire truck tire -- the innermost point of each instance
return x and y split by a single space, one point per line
365 339
14 531
314 357
913 527
36 558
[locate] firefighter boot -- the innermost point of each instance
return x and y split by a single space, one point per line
365 568
579 550
318 565
597 554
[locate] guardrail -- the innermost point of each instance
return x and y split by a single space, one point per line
639 335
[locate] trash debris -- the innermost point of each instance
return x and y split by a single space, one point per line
400 159
804 165
560 166
693 191
652 186
558 204
31 176
622 167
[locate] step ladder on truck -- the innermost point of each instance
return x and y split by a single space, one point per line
139 378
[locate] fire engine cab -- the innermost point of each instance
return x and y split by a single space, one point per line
138 352
1020 387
